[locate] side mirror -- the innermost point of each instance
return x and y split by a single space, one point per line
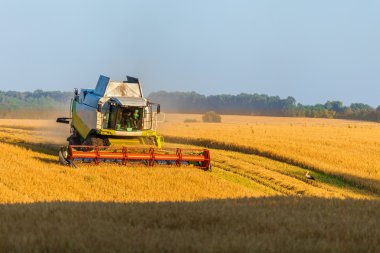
158 108
63 120
100 106
76 95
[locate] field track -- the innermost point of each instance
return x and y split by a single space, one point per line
242 157
340 149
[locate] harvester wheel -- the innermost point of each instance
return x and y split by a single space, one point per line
93 140
63 157
209 168
74 140
150 141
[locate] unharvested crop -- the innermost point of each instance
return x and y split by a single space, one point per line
344 149
31 173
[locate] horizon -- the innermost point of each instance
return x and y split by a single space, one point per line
207 95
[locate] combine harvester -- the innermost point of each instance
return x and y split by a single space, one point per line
115 123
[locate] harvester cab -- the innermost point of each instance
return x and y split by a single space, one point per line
115 122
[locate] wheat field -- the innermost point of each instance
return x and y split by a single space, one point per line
30 173
257 198
345 149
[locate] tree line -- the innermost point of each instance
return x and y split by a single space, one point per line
192 102
14 100
261 104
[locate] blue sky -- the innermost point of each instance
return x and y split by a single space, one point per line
312 50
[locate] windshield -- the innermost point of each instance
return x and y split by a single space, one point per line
129 119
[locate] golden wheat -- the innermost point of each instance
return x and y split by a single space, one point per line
30 172
348 149
95 208
248 175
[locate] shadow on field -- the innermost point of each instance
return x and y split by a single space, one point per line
47 160
45 148
277 224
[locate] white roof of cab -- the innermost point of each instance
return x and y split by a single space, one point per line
107 88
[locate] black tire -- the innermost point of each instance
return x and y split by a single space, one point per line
93 140
62 155
151 141
74 140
